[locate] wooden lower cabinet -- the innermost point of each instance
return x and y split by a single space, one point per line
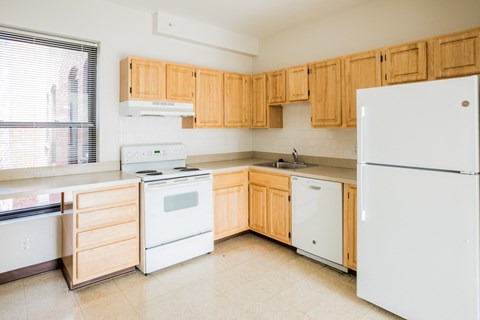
350 226
230 192
270 212
100 233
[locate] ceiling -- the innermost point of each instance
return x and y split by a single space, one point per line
257 18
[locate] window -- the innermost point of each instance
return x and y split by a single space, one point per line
47 108
47 101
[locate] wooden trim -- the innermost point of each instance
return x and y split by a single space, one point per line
218 241
89 283
29 271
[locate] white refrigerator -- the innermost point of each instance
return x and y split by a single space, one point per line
418 204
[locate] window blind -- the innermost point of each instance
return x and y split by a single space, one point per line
47 101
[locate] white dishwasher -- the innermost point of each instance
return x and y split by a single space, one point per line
317 220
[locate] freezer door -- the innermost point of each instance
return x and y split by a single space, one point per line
425 125
418 242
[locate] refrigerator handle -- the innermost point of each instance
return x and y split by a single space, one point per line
362 210
362 129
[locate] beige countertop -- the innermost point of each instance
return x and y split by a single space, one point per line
64 183
336 174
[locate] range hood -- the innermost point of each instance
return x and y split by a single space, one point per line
135 108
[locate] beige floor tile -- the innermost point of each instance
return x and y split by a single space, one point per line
13 312
340 307
274 282
140 289
197 294
176 277
58 312
111 306
91 296
219 308
226 280
248 296
377 313
303 297
273 309
166 307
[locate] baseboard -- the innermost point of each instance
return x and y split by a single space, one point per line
29 271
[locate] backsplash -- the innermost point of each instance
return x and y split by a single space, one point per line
297 133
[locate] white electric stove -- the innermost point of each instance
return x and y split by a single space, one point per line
176 205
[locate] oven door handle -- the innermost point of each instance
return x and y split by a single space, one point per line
152 186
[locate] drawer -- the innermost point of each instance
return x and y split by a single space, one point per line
276 181
106 217
106 197
103 236
107 259
229 179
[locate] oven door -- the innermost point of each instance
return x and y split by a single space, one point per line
176 209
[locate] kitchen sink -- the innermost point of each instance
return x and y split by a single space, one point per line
284 165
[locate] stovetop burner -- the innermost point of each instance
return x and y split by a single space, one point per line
179 168
189 169
155 173
146 171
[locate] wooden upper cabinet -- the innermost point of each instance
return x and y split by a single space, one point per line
276 86
209 98
297 83
237 99
456 55
142 79
405 63
259 101
362 70
180 83
350 226
326 93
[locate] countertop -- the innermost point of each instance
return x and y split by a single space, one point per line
64 183
336 174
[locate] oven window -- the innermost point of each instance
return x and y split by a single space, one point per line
180 201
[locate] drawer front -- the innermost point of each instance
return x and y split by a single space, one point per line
229 179
107 259
103 236
106 217
106 197
270 180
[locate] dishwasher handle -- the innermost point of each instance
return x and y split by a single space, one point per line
315 187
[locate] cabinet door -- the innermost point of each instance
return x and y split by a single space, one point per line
259 101
147 79
361 70
279 224
258 208
209 99
231 210
457 55
297 78
350 226
406 63
236 100
276 92
326 93
180 83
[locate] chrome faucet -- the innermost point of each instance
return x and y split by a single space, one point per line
295 155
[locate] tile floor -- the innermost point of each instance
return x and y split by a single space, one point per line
247 277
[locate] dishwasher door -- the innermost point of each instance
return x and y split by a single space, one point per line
317 218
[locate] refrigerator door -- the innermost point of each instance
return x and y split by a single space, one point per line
425 125
418 242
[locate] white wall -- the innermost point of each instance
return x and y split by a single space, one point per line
372 25
122 32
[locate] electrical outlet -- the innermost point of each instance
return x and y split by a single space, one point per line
25 244
354 149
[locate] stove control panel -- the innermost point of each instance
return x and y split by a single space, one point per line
153 153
